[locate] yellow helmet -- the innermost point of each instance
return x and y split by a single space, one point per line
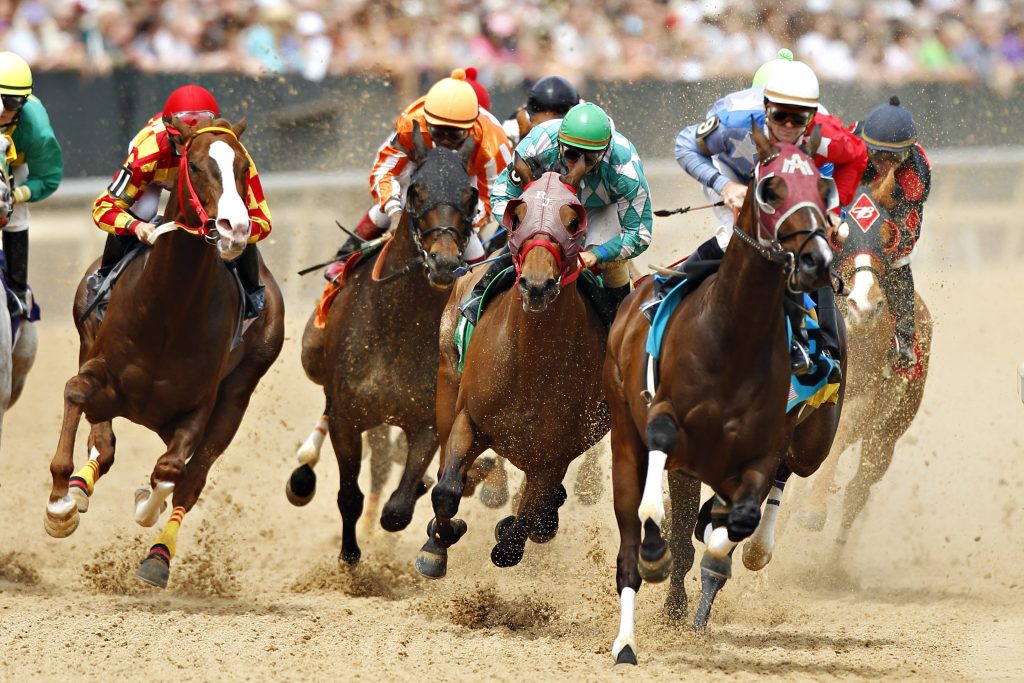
15 76
452 102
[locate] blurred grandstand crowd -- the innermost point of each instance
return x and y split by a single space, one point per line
892 41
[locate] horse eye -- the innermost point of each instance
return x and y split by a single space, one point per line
193 166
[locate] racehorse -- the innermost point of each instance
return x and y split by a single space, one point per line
531 384
881 403
168 354
377 356
18 338
718 413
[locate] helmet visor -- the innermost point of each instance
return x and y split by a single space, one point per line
13 102
194 117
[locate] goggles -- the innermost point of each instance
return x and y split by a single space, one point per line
13 102
800 119
447 136
573 154
892 157
193 117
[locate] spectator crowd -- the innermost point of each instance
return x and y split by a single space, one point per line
888 41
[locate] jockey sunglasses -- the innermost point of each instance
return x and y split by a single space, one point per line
894 157
573 155
13 102
192 117
447 136
797 118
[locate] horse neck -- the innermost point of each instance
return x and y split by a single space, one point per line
557 326
180 263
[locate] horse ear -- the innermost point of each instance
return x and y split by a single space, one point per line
812 142
575 175
240 127
524 122
765 148
521 174
419 145
466 150
412 199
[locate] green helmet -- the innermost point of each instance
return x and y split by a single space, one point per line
585 126
765 72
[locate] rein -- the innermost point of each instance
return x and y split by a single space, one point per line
461 240
206 224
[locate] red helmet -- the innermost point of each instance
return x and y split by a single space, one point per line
190 98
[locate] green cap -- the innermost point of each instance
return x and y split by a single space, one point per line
586 126
765 72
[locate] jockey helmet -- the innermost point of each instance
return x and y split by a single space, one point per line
15 81
766 70
552 93
190 98
482 96
585 126
452 102
889 128
793 84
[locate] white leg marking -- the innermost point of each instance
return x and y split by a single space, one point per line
148 505
717 541
309 451
94 453
61 507
652 504
627 607
757 551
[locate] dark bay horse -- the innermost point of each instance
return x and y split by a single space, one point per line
880 404
163 357
719 411
531 384
377 356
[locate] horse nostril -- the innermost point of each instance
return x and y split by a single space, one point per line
808 262
550 284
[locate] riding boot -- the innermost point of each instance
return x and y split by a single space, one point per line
799 358
114 250
16 259
364 232
613 296
828 322
898 287
249 274
710 250
471 306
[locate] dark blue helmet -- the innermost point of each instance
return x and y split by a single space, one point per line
554 94
889 128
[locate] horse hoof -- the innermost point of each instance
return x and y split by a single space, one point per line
502 527
61 518
626 656
350 557
301 486
755 556
81 499
655 571
154 571
743 519
394 519
494 497
813 520
432 565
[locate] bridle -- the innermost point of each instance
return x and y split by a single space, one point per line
207 225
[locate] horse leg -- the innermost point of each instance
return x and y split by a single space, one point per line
627 450
543 492
757 551
301 484
399 509
464 444
715 570
348 446
876 456
62 509
684 492
102 443
494 492
655 556
380 468
589 484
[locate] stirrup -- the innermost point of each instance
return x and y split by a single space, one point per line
470 308
255 302
800 360
17 306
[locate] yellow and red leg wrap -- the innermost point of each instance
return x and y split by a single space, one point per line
85 478
164 545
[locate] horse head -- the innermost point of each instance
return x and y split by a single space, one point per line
6 196
788 205
213 184
440 204
869 247
547 215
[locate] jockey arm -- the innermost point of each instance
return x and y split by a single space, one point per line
112 210
842 148
633 198
490 161
37 146
391 161
695 146
256 202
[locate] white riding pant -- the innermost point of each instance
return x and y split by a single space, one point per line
19 218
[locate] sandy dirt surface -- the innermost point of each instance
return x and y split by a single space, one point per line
931 586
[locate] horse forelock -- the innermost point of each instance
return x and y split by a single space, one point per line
442 179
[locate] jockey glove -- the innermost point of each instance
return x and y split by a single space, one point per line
22 194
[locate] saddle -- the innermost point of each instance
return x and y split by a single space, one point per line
337 275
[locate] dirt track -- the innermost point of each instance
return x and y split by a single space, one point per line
932 585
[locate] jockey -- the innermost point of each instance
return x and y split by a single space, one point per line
614 192
447 116
720 154
127 208
891 138
549 98
36 170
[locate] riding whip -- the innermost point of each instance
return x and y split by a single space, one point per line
662 213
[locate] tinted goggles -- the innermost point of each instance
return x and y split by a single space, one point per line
447 136
889 157
13 102
798 118
573 154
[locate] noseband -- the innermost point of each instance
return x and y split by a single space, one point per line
207 226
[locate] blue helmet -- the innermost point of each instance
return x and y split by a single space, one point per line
889 128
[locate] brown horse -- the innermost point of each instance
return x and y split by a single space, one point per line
719 411
531 384
880 404
164 356
377 356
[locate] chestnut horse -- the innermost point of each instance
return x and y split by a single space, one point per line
531 384
719 411
377 356
880 404
165 356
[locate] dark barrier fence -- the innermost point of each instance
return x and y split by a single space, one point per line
338 124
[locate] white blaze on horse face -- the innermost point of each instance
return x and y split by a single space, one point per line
859 301
232 215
